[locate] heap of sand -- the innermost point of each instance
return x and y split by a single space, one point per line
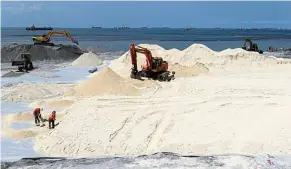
104 82
39 52
24 92
87 59
198 55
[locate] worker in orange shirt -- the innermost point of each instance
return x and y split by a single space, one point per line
37 116
52 119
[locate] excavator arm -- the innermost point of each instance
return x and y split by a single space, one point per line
46 38
138 49
155 67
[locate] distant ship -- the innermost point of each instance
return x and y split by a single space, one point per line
96 27
187 29
38 28
123 27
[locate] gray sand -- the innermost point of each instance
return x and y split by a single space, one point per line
13 74
38 52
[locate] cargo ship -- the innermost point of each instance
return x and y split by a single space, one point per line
122 27
96 27
38 28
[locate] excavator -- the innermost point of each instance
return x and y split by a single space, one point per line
45 39
155 67
250 46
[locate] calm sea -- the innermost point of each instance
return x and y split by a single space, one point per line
112 40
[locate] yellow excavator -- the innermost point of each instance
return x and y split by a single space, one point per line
45 39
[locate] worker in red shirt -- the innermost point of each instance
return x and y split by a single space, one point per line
37 116
51 119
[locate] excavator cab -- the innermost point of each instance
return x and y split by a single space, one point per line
157 62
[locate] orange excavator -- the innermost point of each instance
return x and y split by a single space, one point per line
155 67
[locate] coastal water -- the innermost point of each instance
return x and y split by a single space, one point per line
113 40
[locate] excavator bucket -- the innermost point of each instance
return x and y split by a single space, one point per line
75 41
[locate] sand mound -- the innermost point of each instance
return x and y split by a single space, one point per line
104 82
183 71
87 59
32 91
197 53
228 59
38 52
52 103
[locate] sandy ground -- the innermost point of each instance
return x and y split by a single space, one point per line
246 113
87 59
26 92
220 102
26 117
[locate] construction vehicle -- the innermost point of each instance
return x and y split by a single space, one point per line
250 46
45 39
155 67
23 61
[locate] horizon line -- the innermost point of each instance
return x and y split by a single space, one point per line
99 27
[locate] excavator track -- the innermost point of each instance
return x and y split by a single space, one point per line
161 76
166 76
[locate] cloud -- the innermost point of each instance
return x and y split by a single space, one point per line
19 8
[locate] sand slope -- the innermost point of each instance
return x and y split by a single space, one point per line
38 52
32 91
87 59
104 82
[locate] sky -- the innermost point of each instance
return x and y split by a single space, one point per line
78 14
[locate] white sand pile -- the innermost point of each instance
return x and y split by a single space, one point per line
183 71
87 59
104 82
24 92
122 65
228 59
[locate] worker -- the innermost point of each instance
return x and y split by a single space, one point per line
52 119
37 116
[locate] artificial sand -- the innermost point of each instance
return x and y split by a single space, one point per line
231 101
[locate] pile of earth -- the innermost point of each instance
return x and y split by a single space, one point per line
40 52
